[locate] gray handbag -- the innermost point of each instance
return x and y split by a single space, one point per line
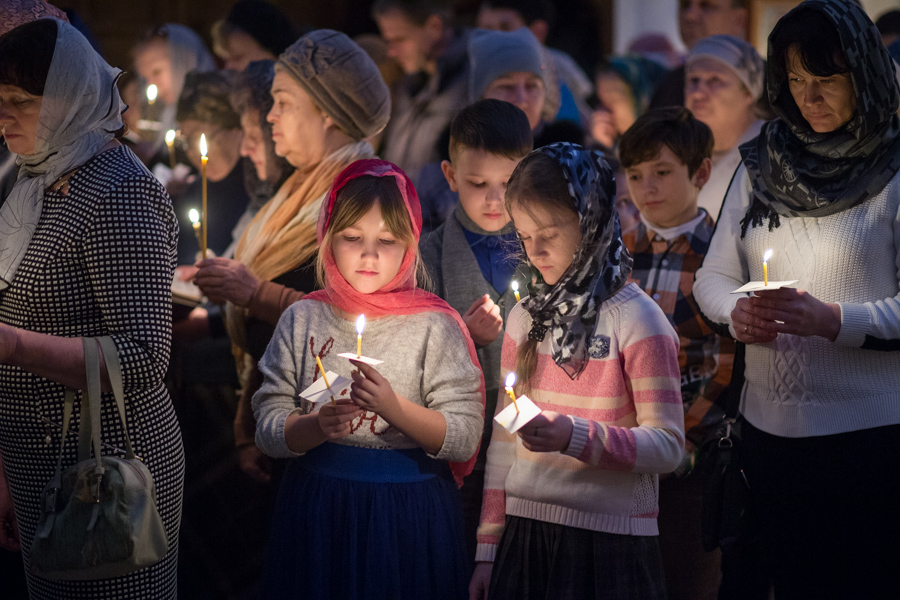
99 518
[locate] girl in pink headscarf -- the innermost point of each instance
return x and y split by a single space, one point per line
369 507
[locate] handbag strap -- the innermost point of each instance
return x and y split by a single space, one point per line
114 368
736 386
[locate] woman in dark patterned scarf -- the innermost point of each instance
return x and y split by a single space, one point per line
821 395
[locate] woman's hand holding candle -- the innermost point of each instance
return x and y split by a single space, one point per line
548 432
226 280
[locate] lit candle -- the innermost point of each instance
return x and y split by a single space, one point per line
194 216
170 142
515 288
152 93
360 325
325 379
510 382
203 159
766 258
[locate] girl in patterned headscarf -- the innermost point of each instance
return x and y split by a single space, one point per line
821 396
571 501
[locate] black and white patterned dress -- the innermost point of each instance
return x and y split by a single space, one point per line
100 263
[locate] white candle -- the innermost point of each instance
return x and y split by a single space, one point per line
170 142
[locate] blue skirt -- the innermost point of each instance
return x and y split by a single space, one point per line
359 523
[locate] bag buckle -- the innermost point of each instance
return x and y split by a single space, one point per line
725 441
96 478
50 496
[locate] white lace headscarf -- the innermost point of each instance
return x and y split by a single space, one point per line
80 112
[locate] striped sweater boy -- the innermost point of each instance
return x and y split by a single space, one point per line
628 427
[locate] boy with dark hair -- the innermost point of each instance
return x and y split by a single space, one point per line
471 258
421 37
666 156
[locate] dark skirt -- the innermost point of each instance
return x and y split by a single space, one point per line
544 561
358 523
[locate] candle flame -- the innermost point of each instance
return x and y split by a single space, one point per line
203 145
514 285
767 255
170 137
360 324
511 379
152 93
194 215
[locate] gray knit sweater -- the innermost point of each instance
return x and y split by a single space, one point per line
426 361
808 386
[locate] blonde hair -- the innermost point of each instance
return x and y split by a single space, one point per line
354 200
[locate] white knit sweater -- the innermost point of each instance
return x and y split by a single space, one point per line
808 386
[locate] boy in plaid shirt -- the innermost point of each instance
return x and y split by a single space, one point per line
666 156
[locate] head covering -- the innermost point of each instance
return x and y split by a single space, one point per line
736 54
18 12
795 171
641 75
187 53
252 92
80 112
341 79
496 53
568 309
205 97
265 23
400 296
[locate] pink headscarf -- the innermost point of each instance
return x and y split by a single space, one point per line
400 296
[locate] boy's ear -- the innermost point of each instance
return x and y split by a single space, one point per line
449 174
702 175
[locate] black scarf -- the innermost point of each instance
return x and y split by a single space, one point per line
600 268
797 172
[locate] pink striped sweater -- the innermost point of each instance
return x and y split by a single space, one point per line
628 427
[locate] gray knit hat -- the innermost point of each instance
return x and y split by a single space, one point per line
736 54
495 53
341 79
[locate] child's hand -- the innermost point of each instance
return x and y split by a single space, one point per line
481 580
548 432
334 419
484 321
371 391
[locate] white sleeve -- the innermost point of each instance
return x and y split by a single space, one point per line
725 265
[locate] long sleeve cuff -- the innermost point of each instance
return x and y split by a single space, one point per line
580 432
270 300
485 552
855 323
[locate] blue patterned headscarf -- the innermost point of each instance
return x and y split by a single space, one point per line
568 309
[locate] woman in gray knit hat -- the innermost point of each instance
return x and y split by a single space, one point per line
329 97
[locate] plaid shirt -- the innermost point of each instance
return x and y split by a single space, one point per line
665 270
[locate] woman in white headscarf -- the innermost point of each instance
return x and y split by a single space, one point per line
164 59
87 249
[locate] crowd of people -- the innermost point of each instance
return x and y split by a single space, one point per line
498 231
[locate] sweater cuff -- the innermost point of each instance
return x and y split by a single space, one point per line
450 447
485 552
855 324
581 430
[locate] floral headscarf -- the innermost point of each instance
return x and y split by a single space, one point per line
568 309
